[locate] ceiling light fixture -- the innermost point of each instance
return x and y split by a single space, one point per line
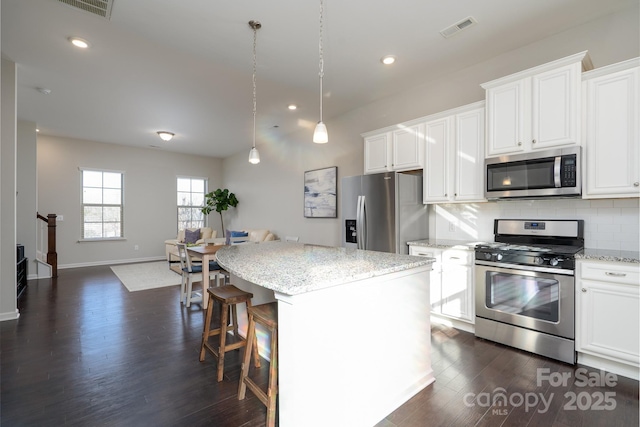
320 135
165 136
78 42
388 59
292 107
254 156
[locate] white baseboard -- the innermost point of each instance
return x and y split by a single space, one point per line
111 262
9 315
618 368
453 323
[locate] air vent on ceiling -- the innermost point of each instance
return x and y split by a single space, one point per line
459 26
101 8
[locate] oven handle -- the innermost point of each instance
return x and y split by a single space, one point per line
526 268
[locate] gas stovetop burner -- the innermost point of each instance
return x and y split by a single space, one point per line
550 243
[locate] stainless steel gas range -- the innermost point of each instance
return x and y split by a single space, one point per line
525 286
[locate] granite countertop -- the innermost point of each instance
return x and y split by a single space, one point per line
609 255
296 268
445 244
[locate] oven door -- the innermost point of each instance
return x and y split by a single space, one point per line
534 300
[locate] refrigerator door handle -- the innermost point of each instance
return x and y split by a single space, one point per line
363 225
358 223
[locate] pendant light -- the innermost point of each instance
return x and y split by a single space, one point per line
254 156
320 135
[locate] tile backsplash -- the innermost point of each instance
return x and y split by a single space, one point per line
608 223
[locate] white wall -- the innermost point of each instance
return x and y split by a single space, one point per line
150 213
27 193
8 305
271 192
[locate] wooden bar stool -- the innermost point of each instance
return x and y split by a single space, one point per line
228 296
267 316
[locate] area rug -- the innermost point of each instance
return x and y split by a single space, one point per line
146 275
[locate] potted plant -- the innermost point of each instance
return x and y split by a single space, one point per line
220 200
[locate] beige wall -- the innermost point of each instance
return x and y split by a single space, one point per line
150 214
271 192
27 192
8 191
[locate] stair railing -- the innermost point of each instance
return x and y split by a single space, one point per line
52 255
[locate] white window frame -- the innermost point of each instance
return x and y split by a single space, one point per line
102 205
178 206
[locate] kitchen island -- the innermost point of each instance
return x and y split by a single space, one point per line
354 334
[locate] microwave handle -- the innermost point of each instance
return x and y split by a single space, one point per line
556 172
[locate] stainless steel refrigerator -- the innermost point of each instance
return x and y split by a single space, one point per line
382 212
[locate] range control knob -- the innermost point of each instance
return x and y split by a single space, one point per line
554 261
538 260
499 257
487 256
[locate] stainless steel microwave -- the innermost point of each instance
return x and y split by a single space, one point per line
542 174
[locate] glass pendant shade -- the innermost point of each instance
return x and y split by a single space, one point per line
254 156
320 135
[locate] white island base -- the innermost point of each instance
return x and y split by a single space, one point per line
354 338
352 354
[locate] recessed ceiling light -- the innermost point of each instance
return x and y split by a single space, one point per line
165 135
388 59
37 130
78 42
292 107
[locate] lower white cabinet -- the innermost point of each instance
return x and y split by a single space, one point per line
608 314
451 283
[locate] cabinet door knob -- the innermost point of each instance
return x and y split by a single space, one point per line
584 290
455 194
636 184
445 195
519 143
533 142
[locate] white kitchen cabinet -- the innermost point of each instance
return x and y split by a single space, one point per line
454 155
608 314
535 109
397 149
611 136
451 284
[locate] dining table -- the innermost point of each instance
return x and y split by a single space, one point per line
206 253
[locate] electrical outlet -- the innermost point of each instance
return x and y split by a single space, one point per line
452 227
60 218
135 247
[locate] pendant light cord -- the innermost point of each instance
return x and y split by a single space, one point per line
255 32
321 73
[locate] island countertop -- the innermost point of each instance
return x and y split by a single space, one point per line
295 268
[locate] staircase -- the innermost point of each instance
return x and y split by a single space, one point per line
46 255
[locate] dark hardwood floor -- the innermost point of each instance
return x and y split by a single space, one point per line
87 352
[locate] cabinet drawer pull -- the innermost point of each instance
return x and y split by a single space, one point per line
454 257
608 273
519 143
636 184
584 290
533 142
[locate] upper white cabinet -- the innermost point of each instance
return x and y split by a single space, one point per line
612 154
535 109
394 149
454 153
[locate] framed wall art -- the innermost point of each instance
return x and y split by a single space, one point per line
320 193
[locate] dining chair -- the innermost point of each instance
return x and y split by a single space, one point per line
191 271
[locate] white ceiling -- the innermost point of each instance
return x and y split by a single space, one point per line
185 66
